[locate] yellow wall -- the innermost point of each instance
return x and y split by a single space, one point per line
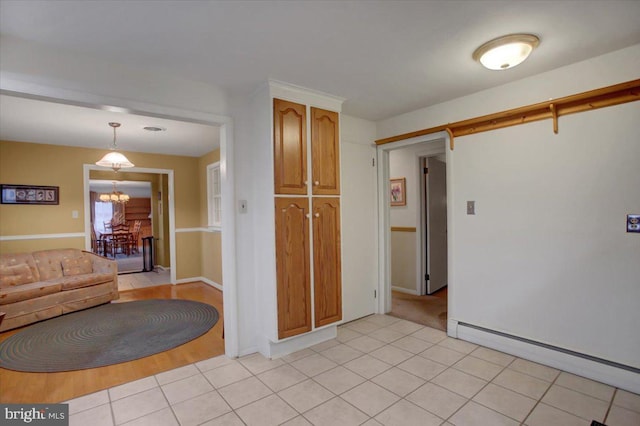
211 242
53 165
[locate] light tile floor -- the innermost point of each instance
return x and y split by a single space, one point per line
378 371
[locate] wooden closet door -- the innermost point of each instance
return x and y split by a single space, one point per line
292 266
290 145
325 152
326 261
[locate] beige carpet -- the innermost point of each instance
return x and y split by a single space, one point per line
426 310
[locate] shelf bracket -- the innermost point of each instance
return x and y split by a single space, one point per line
554 115
450 133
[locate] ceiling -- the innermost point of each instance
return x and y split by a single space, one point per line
384 57
30 120
135 189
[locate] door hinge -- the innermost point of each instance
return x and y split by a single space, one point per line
425 170
375 294
426 277
373 162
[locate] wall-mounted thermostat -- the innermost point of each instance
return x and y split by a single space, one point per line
633 223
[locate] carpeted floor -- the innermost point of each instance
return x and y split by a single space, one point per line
426 310
107 334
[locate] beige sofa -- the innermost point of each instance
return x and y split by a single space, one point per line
48 283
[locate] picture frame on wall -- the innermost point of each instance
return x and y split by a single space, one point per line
30 194
398 192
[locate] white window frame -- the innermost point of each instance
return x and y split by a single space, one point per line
214 196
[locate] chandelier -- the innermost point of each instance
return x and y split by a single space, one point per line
114 159
114 196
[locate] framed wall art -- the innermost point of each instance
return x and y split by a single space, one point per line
30 194
398 192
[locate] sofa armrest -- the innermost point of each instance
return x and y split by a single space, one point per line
102 265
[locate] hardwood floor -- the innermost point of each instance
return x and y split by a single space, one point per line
19 387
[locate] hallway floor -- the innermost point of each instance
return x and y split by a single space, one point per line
380 370
429 310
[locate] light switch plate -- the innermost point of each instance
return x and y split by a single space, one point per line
471 207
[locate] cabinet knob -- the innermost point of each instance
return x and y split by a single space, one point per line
305 183
316 215
316 183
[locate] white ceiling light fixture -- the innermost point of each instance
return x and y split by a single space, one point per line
506 52
114 159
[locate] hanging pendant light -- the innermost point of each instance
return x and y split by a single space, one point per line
115 196
114 159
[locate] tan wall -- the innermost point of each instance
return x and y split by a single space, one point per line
40 164
403 259
189 245
211 242
212 256
22 246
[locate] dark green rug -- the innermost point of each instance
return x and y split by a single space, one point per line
107 334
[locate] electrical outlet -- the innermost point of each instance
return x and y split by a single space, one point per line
471 207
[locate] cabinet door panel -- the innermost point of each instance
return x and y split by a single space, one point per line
325 152
292 266
290 145
326 261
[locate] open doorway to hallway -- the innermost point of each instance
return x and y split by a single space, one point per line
418 235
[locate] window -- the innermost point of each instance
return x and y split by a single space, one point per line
214 195
104 213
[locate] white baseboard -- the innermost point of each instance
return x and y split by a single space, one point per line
203 279
294 344
452 328
404 290
600 371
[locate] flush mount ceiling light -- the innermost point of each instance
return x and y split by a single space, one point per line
154 129
114 159
506 52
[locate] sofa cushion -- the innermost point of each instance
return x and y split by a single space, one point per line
76 266
14 275
12 259
27 291
49 262
85 280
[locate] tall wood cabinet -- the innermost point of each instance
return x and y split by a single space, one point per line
296 189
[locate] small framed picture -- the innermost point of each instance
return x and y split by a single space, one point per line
398 192
29 194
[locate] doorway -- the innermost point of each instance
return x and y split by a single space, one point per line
160 218
415 233
126 205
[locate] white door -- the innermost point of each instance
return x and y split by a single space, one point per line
436 224
359 239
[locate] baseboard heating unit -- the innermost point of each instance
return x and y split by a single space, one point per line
612 373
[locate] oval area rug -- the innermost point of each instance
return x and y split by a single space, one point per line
107 334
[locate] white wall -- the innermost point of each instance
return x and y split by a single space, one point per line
546 256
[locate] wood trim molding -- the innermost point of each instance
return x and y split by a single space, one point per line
402 229
41 236
552 109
